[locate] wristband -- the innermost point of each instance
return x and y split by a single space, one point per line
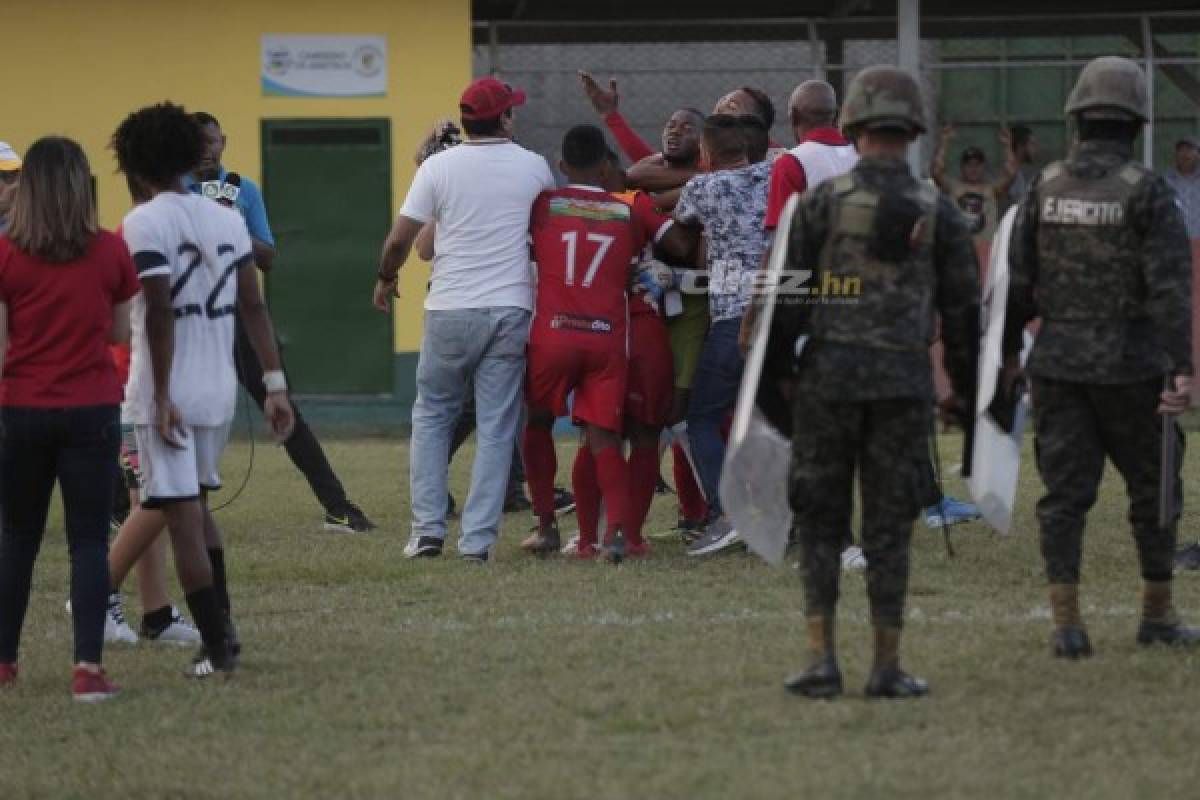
386 279
274 381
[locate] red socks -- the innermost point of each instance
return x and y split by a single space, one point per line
613 473
586 487
691 499
643 479
540 465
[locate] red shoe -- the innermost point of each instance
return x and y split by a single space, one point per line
637 549
8 673
585 551
92 687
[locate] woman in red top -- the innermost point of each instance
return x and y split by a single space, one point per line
65 287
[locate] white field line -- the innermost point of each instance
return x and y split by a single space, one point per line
915 615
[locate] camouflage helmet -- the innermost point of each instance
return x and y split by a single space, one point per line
1110 87
883 97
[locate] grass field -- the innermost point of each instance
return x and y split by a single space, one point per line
366 675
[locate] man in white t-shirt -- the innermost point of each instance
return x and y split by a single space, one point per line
477 312
196 266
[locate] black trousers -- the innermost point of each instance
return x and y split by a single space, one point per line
302 446
75 447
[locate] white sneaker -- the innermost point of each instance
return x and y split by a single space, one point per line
853 559
179 632
572 545
116 630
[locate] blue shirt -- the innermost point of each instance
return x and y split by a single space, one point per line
249 203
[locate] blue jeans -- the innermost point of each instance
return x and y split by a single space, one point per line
484 347
75 447
714 394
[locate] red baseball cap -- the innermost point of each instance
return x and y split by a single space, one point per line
488 98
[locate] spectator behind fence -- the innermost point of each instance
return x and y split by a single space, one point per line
1184 178
10 173
477 311
65 288
1025 149
976 195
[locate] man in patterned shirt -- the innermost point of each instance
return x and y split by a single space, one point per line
730 203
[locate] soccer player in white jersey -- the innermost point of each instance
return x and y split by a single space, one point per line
196 266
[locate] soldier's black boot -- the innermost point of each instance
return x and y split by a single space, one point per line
822 678
1160 622
1070 639
887 679
1071 642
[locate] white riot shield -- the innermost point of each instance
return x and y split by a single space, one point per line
997 455
754 479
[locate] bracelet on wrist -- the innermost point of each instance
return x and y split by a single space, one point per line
275 381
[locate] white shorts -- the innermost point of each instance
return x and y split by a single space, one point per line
170 474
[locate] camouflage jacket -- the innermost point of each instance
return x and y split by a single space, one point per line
1154 331
855 372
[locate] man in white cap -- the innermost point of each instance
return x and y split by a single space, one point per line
10 173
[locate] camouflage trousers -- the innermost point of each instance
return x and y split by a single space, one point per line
886 442
1078 426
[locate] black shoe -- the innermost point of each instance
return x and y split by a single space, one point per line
544 541
822 679
348 519
204 666
1071 641
231 636
1188 557
662 488
517 503
690 529
564 501
614 549
893 682
423 547
451 507
1175 634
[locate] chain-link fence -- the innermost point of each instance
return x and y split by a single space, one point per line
981 74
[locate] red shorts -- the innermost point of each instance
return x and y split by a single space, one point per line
651 385
596 376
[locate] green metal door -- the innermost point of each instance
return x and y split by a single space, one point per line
327 185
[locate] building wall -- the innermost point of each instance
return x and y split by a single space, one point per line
76 67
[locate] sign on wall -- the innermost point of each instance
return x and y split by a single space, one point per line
324 66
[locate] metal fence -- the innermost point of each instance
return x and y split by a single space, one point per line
979 73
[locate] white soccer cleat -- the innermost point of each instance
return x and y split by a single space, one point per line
178 632
116 629
853 559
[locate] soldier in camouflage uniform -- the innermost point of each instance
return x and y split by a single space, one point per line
1100 253
887 252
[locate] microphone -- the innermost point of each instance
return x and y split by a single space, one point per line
229 192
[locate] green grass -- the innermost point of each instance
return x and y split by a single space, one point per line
366 675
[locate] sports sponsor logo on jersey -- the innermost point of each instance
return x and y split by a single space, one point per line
599 210
573 322
1073 211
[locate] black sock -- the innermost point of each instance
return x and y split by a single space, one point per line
157 620
206 611
217 556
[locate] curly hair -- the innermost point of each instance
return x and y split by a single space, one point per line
158 143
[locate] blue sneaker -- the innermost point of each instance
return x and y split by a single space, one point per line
952 511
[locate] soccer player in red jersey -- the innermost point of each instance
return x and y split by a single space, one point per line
648 395
584 243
